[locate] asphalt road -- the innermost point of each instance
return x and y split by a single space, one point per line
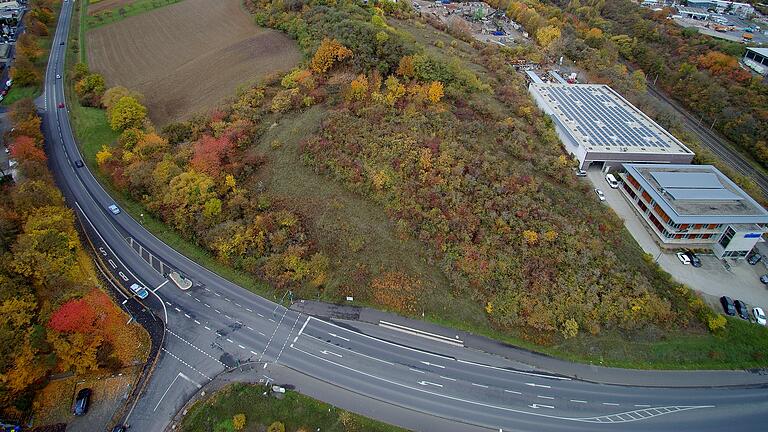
217 325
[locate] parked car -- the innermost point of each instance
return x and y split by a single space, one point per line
764 279
683 258
741 308
9 83
759 315
114 209
79 163
60 105
754 258
728 306
695 261
600 194
612 182
118 428
81 401
581 173
140 291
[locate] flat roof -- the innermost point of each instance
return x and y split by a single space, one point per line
762 51
692 10
697 194
600 120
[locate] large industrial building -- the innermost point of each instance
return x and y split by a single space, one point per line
694 206
599 127
724 6
757 59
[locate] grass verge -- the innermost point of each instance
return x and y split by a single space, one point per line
294 410
18 93
110 16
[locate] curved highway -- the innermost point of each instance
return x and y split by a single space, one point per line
217 325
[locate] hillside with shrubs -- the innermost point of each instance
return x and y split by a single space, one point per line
414 176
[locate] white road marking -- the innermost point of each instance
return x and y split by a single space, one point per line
160 286
610 404
227 299
262 334
301 330
447 378
512 370
578 401
480 385
241 347
237 304
166 392
207 289
248 310
513 392
207 328
535 406
416 370
197 299
272 320
230 341
168 303
217 294
350 350
470 402
260 315
177 309
249 328
227 316
197 322
339 337
544 397
254 353
326 352
430 383
185 363
206 305
187 315
195 347
432 364
538 385
217 311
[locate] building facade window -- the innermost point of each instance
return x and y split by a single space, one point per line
727 236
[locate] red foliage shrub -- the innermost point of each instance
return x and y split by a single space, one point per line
73 316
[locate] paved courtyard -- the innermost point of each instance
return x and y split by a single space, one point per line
739 281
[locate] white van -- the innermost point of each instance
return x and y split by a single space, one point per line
612 181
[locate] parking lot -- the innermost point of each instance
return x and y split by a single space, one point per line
739 281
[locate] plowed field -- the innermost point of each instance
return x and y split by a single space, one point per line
187 57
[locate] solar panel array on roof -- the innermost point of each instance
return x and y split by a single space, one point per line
691 180
685 194
592 111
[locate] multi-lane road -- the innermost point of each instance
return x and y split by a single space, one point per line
216 325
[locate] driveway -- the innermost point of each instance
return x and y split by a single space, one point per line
740 281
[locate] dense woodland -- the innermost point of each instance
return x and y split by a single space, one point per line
53 316
463 164
700 71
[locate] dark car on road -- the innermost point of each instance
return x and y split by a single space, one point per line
754 258
728 306
741 308
82 401
695 261
79 163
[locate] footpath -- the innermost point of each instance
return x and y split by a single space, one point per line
535 362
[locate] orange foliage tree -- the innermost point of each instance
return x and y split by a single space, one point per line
329 52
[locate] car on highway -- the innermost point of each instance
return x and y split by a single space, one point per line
140 291
728 306
61 43
79 163
754 258
600 194
759 315
4 92
695 261
114 209
60 105
58 76
9 83
741 308
82 401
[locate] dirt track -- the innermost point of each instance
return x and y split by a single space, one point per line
187 57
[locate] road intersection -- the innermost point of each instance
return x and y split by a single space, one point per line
217 326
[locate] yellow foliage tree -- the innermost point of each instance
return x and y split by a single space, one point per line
103 155
435 91
238 422
406 68
358 88
546 35
329 52
395 90
531 237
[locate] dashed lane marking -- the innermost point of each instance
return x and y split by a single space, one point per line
480 385
177 309
544 397
197 322
187 315
578 401
185 363
195 347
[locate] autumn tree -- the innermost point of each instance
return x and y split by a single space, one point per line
126 113
25 120
397 291
24 72
546 35
25 148
211 154
89 89
329 52
74 316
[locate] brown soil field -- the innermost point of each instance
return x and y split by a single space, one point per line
185 58
94 8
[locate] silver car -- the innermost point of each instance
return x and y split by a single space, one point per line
114 209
